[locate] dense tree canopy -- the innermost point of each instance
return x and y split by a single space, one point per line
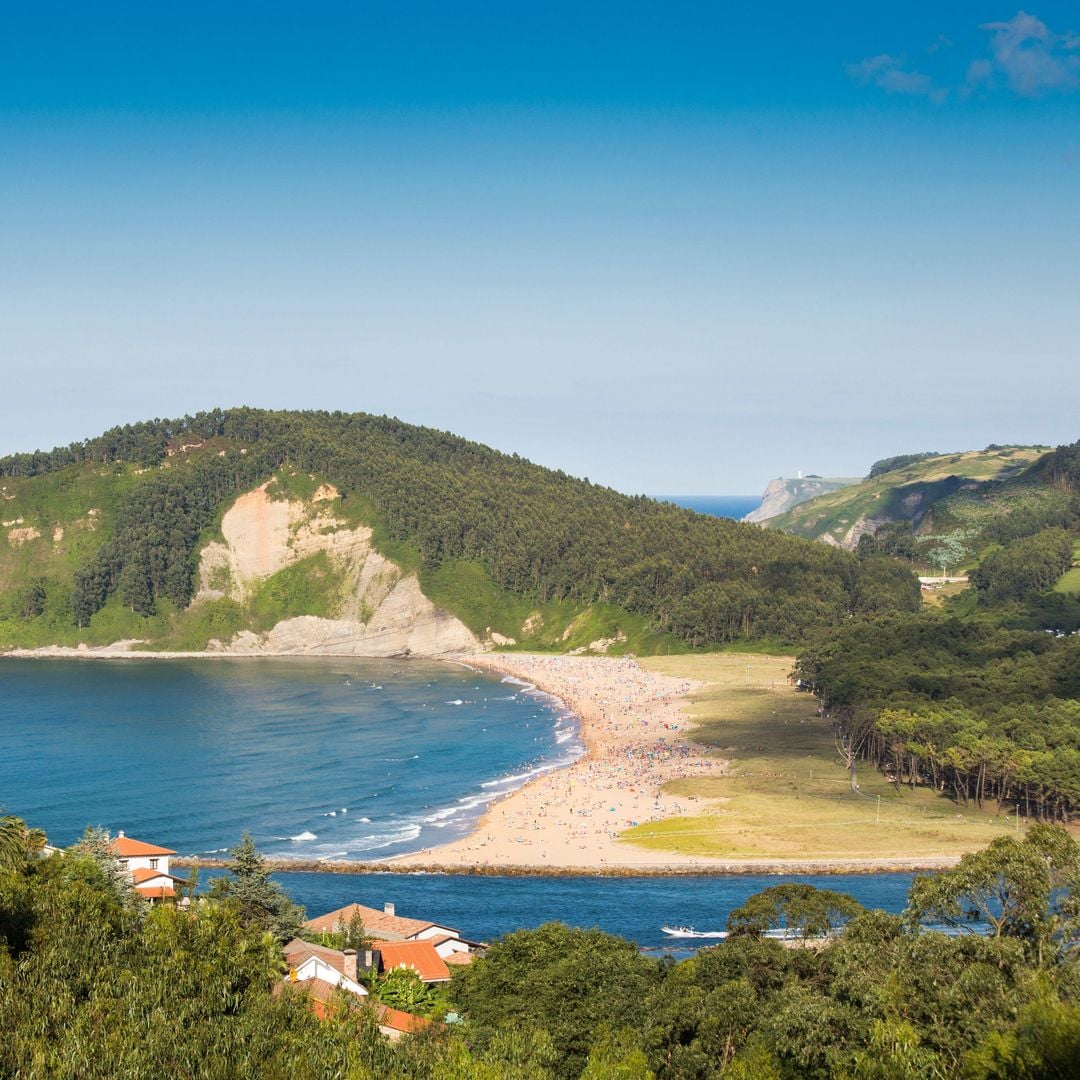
95 983
537 532
1031 564
965 706
898 461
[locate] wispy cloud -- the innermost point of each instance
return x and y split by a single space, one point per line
890 74
1026 57
1032 59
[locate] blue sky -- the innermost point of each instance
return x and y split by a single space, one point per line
674 247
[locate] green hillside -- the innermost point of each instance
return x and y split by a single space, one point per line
102 541
977 697
945 489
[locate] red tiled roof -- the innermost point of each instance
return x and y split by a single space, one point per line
156 892
125 847
141 874
418 955
459 958
298 950
401 1021
324 996
388 927
326 1000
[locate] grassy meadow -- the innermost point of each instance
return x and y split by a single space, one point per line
1069 582
785 794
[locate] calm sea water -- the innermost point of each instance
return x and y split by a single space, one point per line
328 758
729 506
316 758
486 907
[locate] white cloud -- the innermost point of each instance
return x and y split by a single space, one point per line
888 73
1027 57
1033 60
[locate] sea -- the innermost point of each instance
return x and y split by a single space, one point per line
316 758
339 759
729 506
331 759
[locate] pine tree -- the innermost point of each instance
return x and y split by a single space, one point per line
259 901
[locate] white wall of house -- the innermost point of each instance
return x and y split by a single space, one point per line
145 862
314 967
433 931
162 881
447 948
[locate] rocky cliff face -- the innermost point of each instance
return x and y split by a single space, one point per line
784 493
383 612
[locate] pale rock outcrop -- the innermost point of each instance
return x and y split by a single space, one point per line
383 612
783 493
600 645
18 537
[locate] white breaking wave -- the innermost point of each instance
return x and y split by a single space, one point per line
304 836
514 681
382 840
522 777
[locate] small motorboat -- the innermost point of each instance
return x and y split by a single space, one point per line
690 932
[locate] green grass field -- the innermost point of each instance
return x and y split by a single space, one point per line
1069 582
786 795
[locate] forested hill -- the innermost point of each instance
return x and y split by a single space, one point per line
115 524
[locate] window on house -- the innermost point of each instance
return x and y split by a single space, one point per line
123 864
153 864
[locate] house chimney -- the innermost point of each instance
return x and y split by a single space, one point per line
372 961
350 964
120 834
388 909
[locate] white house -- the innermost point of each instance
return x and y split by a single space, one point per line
387 925
334 966
147 865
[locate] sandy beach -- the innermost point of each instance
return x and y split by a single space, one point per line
636 738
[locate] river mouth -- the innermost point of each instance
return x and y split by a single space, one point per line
635 907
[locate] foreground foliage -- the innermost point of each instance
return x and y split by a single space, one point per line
95 984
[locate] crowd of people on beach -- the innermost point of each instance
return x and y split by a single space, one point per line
636 739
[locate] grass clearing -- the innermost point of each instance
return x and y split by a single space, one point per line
786 795
1069 582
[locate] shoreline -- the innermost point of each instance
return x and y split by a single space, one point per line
118 651
566 821
714 868
637 738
